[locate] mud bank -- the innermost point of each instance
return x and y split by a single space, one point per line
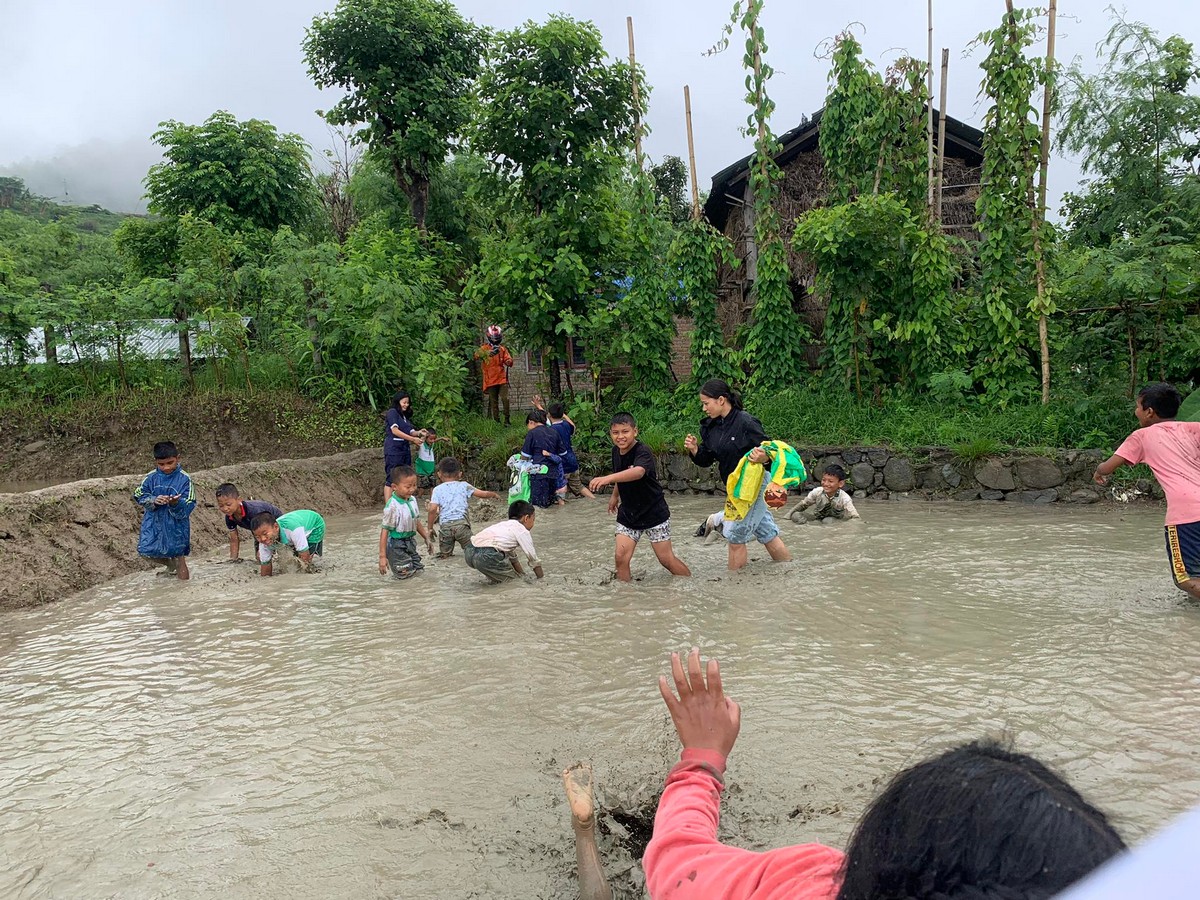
62 539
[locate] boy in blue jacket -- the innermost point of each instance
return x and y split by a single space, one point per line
167 498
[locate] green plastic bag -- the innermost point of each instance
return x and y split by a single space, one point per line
521 469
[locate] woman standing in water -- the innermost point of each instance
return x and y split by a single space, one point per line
726 434
398 437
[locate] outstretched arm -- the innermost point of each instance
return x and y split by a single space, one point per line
1106 468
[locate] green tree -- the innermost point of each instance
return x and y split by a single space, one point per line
407 67
237 175
670 179
557 118
696 253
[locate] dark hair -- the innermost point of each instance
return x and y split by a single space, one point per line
399 473
716 388
519 509
429 431
623 418
448 465
397 397
165 450
227 490
557 410
836 471
536 415
979 822
263 518
1162 398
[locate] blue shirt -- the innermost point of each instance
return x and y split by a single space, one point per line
451 498
565 429
541 438
166 530
396 450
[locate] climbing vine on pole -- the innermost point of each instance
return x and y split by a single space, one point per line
777 337
696 253
1006 215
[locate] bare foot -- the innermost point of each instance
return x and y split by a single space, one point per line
181 569
577 780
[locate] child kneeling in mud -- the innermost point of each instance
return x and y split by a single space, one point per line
303 530
829 501
493 551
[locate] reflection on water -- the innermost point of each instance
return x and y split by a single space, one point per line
348 735
22 487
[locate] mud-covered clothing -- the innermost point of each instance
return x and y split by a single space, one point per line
402 556
456 531
426 461
452 498
570 462
685 861
303 530
1172 451
400 516
247 510
496 363
724 440
819 505
1183 551
643 505
397 451
166 530
506 537
495 564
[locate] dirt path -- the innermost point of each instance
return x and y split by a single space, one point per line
60 540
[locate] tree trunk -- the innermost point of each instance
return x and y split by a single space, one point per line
315 337
121 359
555 378
50 342
416 188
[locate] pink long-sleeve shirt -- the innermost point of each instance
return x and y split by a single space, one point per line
685 860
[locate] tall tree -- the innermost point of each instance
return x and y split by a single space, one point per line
407 67
557 118
670 187
237 175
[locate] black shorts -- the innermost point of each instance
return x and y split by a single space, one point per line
1183 551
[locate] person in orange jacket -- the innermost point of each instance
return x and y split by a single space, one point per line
496 363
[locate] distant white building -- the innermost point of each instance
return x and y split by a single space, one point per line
145 339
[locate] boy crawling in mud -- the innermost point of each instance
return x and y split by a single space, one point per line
303 530
493 552
240 513
1172 451
637 500
167 499
827 503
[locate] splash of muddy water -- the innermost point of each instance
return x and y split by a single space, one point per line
348 735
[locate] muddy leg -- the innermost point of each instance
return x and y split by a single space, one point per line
577 781
181 569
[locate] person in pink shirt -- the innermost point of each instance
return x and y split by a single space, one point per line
1172 451
978 822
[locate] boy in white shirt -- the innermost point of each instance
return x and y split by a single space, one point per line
829 501
493 551
401 521
448 507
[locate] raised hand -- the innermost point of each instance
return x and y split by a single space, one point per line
690 445
704 717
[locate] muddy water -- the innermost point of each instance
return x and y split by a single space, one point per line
347 735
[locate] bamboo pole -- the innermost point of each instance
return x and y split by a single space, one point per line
929 112
1043 328
941 145
687 108
637 124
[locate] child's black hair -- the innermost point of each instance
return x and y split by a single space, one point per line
263 518
623 418
1162 398
519 509
556 410
432 431
228 490
399 473
836 471
536 415
165 450
448 465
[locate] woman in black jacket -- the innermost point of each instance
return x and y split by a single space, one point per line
726 435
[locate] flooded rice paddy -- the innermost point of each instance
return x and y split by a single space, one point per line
348 735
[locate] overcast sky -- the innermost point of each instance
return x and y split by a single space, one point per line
84 83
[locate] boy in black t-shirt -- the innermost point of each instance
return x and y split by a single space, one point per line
637 499
238 513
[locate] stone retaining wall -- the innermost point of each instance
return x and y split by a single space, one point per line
935 473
